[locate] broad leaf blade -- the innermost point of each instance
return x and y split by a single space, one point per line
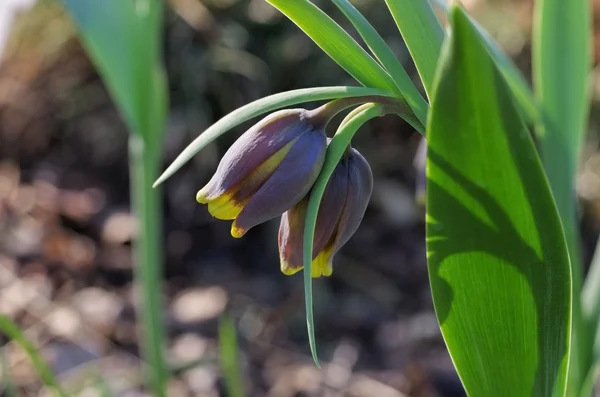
497 258
122 39
514 77
336 43
423 34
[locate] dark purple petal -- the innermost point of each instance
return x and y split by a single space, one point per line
291 228
359 192
331 207
254 147
288 185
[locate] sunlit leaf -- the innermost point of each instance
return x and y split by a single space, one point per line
497 257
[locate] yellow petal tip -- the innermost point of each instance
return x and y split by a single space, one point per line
237 232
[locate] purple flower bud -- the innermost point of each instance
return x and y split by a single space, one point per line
342 208
268 170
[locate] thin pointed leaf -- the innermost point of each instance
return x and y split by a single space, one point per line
259 107
336 43
349 126
386 57
423 34
497 257
12 331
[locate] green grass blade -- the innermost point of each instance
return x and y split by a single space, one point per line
336 43
561 73
423 34
349 126
386 57
12 331
497 257
229 357
260 107
9 386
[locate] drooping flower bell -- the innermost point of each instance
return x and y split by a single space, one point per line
268 170
342 208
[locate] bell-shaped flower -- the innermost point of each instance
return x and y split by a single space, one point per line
342 208
268 170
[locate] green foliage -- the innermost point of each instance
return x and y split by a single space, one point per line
498 263
561 73
336 42
386 57
12 331
229 357
422 33
124 39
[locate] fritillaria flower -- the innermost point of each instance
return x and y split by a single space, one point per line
268 170
342 208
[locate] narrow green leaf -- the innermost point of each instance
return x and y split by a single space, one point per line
497 258
229 358
12 331
386 57
336 43
561 73
262 106
423 34
348 127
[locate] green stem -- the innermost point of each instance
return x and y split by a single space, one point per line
349 126
144 161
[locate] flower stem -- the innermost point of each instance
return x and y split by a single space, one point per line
322 115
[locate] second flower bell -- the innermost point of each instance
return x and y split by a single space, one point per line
268 170
342 208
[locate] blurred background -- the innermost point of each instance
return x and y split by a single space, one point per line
66 228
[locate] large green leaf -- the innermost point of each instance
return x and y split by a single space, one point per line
336 43
122 39
497 258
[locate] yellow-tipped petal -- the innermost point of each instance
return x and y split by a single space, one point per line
288 270
201 196
224 207
237 232
321 265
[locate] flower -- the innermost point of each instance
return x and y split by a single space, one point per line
342 208
268 170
